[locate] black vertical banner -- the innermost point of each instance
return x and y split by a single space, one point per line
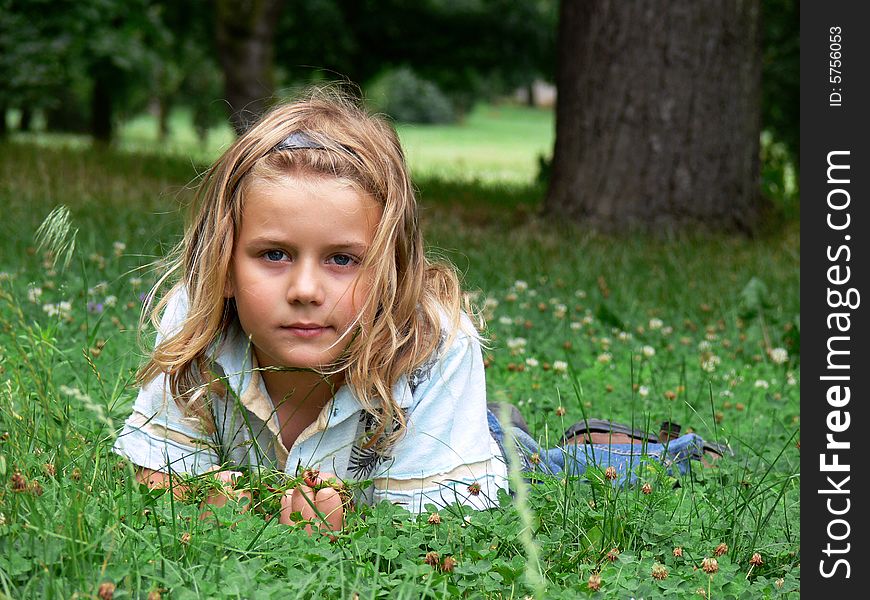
835 225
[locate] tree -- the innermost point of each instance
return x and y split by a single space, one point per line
79 62
245 35
469 48
658 115
781 72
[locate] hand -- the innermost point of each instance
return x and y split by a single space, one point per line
220 496
305 500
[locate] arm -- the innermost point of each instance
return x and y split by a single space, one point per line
447 454
159 480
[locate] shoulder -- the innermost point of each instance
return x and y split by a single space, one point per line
175 308
457 339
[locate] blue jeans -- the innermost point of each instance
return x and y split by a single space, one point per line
573 459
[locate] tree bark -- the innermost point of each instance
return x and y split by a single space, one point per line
658 115
103 77
245 34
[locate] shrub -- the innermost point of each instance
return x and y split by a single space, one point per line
408 98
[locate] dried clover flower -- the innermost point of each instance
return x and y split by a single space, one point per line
710 565
594 582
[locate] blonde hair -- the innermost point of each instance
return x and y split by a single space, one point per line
399 325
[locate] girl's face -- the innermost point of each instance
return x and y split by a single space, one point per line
295 272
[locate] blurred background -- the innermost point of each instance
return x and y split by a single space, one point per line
626 115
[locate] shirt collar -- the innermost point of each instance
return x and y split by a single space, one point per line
234 354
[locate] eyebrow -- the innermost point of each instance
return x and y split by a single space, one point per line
355 245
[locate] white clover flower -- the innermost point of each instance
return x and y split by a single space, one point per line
605 341
604 357
505 320
560 366
517 345
580 294
726 394
623 336
655 323
490 302
50 309
33 294
667 330
135 281
779 355
533 293
560 311
110 301
648 351
588 319
2 519
520 285
576 325
710 363
761 383
704 346
712 337
119 248
98 289
532 362
790 378
64 307
643 391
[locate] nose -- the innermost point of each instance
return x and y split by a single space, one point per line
305 285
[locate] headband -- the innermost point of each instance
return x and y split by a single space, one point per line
299 140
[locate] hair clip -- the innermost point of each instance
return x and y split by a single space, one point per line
299 140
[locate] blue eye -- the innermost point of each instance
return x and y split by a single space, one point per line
274 255
343 260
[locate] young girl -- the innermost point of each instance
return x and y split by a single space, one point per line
308 330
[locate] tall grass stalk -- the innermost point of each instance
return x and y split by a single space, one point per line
520 487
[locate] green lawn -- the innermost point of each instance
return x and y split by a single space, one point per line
701 330
494 142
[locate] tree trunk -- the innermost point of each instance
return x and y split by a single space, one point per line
658 115
26 120
103 78
164 107
245 32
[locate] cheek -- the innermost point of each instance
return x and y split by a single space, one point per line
360 291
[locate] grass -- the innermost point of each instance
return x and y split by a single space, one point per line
494 143
641 330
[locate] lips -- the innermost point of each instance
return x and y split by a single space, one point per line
305 330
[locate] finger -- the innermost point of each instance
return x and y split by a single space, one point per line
228 477
286 508
303 502
328 502
216 498
244 498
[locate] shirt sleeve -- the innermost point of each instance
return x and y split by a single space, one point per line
157 435
447 454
